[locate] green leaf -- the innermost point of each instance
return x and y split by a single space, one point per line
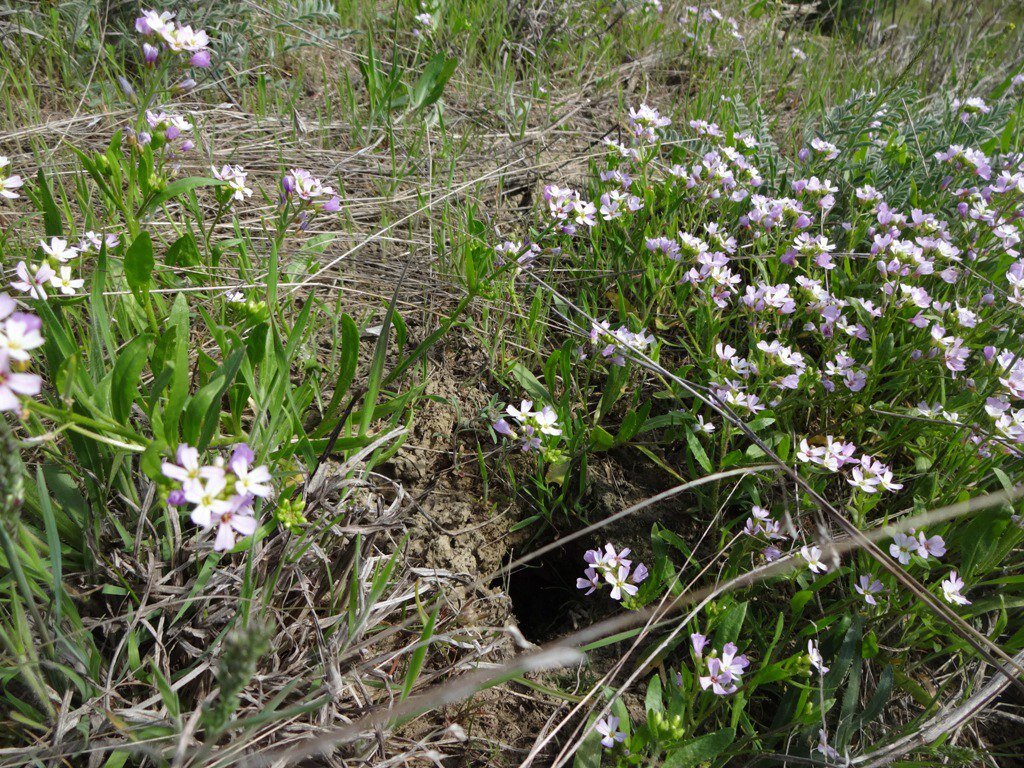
843 660
180 381
700 750
878 699
348 357
653 701
798 601
376 375
729 626
601 439
124 384
183 252
980 537
139 263
52 545
693 443
530 383
420 654
198 407
174 189
557 472
590 751
151 460
167 694
102 340
430 85
225 376
52 224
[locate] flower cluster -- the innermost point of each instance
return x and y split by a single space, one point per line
179 39
538 430
971 106
616 346
167 131
523 255
20 333
220 494
722 673
762 525
803 292
55 269
866 473
904 546
425 25
569 209
611 568
711 18
234 188
645 122
308 194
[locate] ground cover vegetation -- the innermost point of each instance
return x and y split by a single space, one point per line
484 382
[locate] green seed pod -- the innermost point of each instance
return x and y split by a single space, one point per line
289 513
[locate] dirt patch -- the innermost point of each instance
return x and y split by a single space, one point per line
458 530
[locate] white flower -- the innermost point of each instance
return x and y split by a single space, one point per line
207 499
184 38
547 421
823 746
64 282
8 183
19 335
152 22
237 519
522 413
93 241
707 427
254 481
32 280
815 656
235 176
903 546
951 589
812 555
186 468
58 249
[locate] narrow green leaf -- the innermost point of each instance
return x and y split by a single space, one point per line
52 223
377 365
179 383
420 654
124 385
348 357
